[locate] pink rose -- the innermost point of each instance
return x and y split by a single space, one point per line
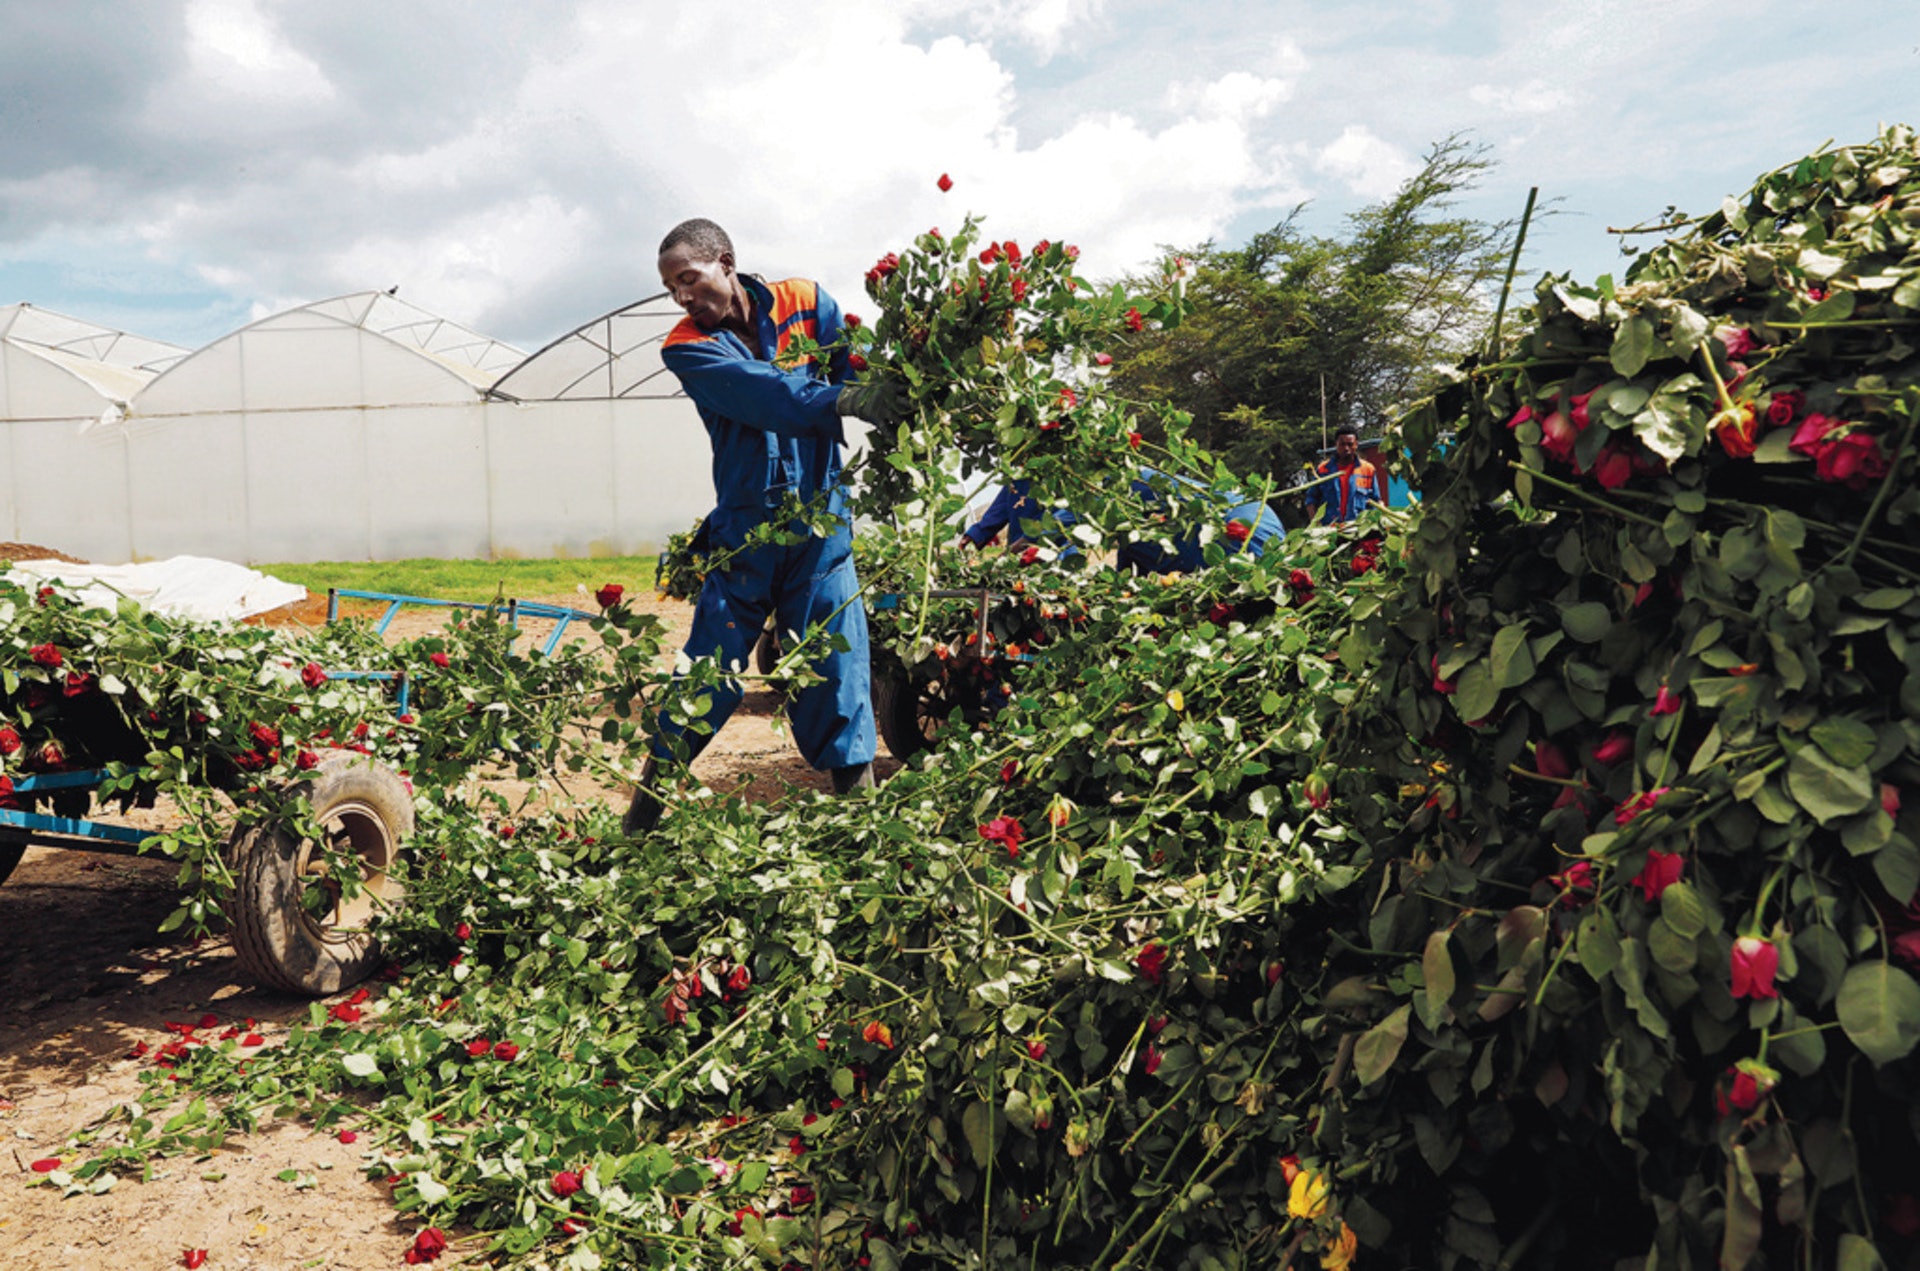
1613 466
1665 702
1784 408
1520 417
1738 341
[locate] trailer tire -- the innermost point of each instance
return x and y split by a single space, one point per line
909 709
290 930
13 845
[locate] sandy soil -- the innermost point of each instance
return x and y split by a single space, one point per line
84 978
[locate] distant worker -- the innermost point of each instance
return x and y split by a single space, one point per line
776 432
1247 526
1350 484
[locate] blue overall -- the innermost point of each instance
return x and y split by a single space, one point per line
1013 511
1187 555
776 432
1352 491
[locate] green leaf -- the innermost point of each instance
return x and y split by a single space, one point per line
1848 742
1837 307
1897 865
1512 657
978 1123
1879 1009
1826 790
1632 346
1476 694
1858 1254
1380 1045
360 1064
1587 621
1682 908
1436 971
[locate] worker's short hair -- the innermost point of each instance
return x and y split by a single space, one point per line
1344 430
705 237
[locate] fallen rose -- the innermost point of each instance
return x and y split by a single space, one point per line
45 1165
1852 461
46 655
1154 1059
566 1183
313 675
440 660
349 1136
1639 803
1151 961
193 1258
427 1246
505 1052
1005 831
1613 748
1665 702
877 1034
945 183
9 741
1134 321
1307 1196
478 1048
1784 408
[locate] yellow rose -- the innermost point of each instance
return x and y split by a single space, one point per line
1307 1198
1339 1256
1177 700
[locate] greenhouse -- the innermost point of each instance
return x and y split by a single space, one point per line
357 428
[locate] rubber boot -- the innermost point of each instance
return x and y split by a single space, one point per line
853 777
644 809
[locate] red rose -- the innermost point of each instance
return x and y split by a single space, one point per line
1019 290
50 756
427 1246
193 1258
76 683
609 595
1613 748
571 1226
253 1039
1036 1050
1005 831
991 254
307 760
801 1196
1103 359
945 183
1557 436
1784 408
1576 881
1152 962
45 1166
566 1183
346 1013
856 362
1520 417
1153 1059
1661 871
1551 761
440 660
1134 321
1029 556
313 675
267 738
1008 771
1440 685
853 321
1013 252
1237 531
505 1052
349 1136
1579 414
1810 438
1889 798
463 932
41 597
1665 702
1853 460
478 1048
46 655
1133 441
1639 803
1613 466
1753 966
9 741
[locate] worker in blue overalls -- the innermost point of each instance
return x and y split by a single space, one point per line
1347 485
775 426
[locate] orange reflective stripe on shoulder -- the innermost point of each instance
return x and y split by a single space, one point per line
795 308
686 331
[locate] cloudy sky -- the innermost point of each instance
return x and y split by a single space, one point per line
181 167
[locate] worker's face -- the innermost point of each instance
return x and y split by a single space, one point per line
704 288
1346 447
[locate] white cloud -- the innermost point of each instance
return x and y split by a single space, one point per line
1235 95
1534 97
234 48
1370 166
1043 26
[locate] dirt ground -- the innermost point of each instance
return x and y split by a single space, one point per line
85 977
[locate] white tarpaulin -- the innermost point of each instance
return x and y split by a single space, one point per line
181 587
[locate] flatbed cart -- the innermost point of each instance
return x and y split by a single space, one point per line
912 703
292 927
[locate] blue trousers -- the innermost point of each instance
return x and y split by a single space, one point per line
808 584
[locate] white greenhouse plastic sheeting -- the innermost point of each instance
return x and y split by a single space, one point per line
183 587
357 428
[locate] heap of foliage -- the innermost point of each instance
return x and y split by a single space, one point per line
1521 881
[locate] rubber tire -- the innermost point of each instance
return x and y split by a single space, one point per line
13 843
278 942
901 709
12 848
766 652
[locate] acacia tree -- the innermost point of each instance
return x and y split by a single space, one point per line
1292 324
